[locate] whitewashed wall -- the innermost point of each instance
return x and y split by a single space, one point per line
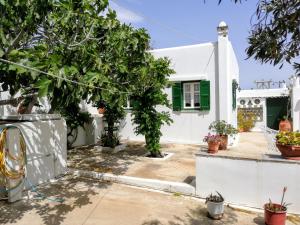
211 61
249 182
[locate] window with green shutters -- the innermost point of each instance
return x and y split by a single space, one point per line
191 95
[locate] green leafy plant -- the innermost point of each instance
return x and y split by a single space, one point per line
110 141
221 127
214 198
246 120
288 138
278 207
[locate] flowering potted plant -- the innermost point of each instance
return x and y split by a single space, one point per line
223 130
215 205
275 214
213 142
288 144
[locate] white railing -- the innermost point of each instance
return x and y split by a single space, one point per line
270 135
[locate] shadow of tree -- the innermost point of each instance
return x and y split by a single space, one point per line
76 192
89 158
198 216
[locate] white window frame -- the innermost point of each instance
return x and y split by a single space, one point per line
192 92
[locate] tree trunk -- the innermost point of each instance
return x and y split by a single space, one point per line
110 132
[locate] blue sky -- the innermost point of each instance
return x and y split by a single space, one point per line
176 22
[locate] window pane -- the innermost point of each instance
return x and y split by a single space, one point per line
187 87
187 98
196 87
196 100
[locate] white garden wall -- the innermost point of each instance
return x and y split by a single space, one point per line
249 182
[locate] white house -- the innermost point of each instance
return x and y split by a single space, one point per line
203 91
268 105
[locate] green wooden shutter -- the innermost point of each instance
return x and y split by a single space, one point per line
204 95
176 96
234 87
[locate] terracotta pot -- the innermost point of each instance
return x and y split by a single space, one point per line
285 125
213 146
101 110
241 130
274 218
289 151
224 142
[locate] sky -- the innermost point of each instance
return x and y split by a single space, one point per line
176 22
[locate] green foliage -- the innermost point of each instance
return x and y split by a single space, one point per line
221 127
288 138
246 120
110 141
147 97
214 198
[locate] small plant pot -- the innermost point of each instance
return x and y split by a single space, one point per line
285 125
101 110
213 147
224 142
215 210
274 218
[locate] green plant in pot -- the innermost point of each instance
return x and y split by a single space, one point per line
215 206
223 130
288 144
275 214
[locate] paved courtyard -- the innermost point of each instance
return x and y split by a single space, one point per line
90 202
179 167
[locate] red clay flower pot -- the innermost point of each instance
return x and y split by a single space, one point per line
289 151
101 110
285 125
274 218
224 142
213 147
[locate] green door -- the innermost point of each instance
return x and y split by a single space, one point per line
276 109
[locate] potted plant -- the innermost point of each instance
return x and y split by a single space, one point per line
215 205
285 124
100 107
223 130
213 142
275 214
288 144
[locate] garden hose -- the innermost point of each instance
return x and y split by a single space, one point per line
5 169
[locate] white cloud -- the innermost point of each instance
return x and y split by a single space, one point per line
126 15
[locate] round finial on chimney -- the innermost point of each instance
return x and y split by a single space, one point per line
222 24
222 29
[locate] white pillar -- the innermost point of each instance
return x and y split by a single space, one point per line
296 104
224 78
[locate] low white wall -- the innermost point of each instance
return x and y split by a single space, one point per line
249 182
46 146
91 132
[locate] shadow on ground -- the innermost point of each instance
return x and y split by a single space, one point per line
77 192
88 158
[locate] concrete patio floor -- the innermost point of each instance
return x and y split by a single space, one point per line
179 167
90 202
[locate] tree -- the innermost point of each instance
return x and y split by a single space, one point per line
148 98
275 36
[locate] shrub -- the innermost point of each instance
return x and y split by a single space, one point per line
246 120
221 127
288 138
